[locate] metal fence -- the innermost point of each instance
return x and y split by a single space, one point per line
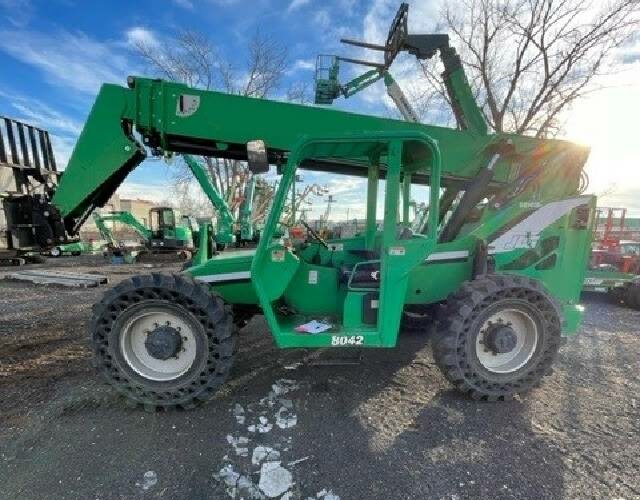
25 146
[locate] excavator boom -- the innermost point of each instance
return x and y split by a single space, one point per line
126 218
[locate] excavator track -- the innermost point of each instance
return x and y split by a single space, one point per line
152 257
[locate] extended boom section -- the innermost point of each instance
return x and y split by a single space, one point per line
174 118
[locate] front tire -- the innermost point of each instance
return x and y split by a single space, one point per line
501 334
162 340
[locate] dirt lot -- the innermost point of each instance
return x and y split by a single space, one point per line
347 424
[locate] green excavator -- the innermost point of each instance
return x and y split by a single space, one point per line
170 233
503 253
165 236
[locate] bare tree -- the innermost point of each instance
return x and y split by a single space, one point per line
293 207
191 58
299 92
528 60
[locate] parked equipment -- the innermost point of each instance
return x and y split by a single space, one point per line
75 249
224 221
247 232
28 174
164 238
614 265
504 250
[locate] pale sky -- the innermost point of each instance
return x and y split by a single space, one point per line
54 61
608 122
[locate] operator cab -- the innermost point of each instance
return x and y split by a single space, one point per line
161 220
166 235
355 287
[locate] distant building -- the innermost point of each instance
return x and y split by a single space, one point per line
139 208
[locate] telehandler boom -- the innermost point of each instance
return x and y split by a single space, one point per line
247 231
224 226
503 251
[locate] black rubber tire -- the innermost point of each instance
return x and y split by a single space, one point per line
215 339
617 295
35 259
632 296
417 319
460 323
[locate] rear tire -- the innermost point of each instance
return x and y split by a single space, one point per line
417 319
632 296
499 337
185 318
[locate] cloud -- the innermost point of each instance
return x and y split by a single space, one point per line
185 4
17 12
322 19
303 64
39 114
296 4
63 129
71 60
629 52
141 36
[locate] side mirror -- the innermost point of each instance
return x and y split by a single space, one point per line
257 159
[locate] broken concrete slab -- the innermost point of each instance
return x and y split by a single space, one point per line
274 479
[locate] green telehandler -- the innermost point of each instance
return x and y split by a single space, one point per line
224 234
503 252
247 232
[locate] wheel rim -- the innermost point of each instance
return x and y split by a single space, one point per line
137 355
520 328
55 252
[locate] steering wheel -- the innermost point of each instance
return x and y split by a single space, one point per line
315 235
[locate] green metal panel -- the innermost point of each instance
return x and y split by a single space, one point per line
235 267
103 155
312 290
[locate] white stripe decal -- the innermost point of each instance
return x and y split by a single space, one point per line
526 233
455 254
215 278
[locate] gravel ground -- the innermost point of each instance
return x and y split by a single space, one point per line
350 424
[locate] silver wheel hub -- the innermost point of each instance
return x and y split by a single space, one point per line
158 345
507 341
